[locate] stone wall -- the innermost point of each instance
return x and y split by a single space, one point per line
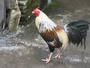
26 10
10 15
2 12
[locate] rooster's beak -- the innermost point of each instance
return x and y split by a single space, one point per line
32 12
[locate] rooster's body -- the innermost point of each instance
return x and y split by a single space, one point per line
57 36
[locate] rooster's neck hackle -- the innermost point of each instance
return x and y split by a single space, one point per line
44 23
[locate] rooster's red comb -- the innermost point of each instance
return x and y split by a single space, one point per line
36 9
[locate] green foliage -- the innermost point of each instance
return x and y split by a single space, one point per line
53 4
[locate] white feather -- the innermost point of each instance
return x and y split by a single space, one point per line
65 28
43 22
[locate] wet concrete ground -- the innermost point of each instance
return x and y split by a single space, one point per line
26 48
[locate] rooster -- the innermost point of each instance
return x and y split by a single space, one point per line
60 37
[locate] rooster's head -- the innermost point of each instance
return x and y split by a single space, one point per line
36 11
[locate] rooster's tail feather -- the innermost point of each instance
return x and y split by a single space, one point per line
77 32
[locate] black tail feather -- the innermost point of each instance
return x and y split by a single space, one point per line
77 32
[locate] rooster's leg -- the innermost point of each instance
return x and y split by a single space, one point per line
58 54
47 60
